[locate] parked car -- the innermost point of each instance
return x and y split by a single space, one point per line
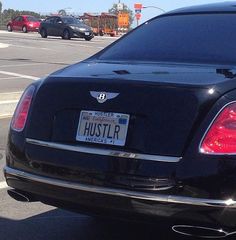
66 27
24 23
144 129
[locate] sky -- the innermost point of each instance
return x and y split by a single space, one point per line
97 6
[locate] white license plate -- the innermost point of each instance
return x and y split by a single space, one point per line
86 33
103 127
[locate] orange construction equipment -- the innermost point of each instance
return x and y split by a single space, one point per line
105 23
123 20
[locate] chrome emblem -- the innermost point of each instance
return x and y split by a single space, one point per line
103 96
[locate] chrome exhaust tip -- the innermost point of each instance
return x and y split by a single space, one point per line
200 232
20 195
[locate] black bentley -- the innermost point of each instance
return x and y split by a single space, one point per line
144 129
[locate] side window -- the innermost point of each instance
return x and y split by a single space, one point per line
20 19
47 20
16 19
57 20
53 20
65 20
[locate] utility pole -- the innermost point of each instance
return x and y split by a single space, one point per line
154 7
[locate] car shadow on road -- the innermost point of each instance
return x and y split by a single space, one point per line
58 224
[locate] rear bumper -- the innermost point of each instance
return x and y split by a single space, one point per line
120 202
33 29
229 203
78 34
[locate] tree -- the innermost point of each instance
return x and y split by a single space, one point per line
1 17
9 14
114 10
0 13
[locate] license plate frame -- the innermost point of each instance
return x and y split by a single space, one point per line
110 129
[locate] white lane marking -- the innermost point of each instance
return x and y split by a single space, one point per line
82 45
10 93
19 75
71 43
10 96
4 45
21 65
48 49
9 101
3 185
33 34
5 116
8 78
5 31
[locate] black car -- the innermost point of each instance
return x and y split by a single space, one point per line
143 130
65 26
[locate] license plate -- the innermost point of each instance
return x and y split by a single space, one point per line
87 33
103 127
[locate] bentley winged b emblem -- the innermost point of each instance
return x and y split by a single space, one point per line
103 96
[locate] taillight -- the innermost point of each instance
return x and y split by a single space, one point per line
22 110
221 136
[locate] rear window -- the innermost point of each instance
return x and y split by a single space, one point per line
32 19
200 38
49 20
67 20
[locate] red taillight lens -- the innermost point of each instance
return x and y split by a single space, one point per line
221 137
22 110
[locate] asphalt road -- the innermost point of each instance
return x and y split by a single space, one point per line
32 57
23 59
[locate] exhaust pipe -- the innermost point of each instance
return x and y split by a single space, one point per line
201 232
20 195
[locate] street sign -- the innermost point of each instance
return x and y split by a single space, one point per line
138 10
138 16
138 6
123 20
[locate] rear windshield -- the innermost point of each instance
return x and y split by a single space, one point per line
70 20
32 19
200 38
81 24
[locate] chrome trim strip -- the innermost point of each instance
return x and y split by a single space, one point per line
103 152
204 135
197 231
229 203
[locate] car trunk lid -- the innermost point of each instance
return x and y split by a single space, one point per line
165 103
